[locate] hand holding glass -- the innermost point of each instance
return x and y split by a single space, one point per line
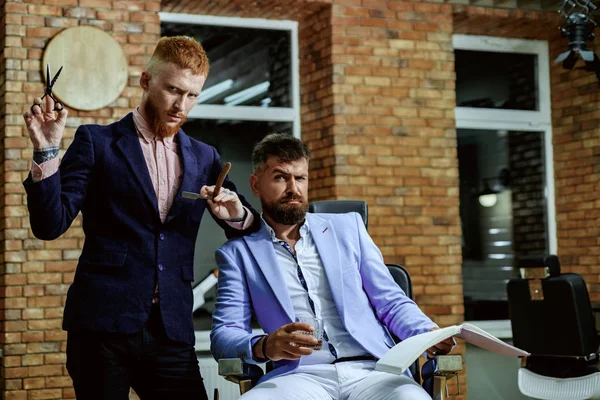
317 324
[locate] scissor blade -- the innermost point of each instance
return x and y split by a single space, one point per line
194 196
48 76
55 77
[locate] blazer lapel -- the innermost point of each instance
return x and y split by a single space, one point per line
129 145
326 241
261 247
189 168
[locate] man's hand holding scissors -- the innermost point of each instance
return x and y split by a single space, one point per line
46 120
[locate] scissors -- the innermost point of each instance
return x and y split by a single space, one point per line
58 106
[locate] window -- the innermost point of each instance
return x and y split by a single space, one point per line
252 90
503 213
249 66
509 80
254 67
506 177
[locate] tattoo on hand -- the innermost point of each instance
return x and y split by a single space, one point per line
47 154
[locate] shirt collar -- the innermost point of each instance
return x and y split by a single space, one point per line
144 130
304 229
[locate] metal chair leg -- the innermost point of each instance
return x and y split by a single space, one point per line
448 367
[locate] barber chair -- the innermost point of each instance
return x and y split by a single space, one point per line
435 372
552 318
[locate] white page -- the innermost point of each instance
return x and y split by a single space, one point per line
482 339
401 356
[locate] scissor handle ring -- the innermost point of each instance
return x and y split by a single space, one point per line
58 106
33 105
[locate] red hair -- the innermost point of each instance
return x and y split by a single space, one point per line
184 51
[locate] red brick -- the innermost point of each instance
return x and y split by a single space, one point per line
34 383
42 32
15 8
46 370
79 12
61 2
113 15
58 381
13 384
95 3
44 10
145 17
130 5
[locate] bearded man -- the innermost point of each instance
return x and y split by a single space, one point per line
128 311
300 267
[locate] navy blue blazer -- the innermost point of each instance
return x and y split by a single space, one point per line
127 248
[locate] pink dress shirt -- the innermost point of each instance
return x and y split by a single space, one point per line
164 165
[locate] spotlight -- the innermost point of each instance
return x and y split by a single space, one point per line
488 196
578 27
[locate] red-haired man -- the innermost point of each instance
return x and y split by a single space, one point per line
129 310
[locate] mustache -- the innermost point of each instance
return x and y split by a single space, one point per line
292 197
178 114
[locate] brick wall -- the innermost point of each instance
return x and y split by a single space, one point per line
395 102
317 101
4 291
35 275
377 95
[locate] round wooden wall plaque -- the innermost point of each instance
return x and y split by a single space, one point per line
94 67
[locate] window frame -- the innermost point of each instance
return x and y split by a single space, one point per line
515 120
249 113
520 46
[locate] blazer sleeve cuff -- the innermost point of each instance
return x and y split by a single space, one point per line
250 359
38 188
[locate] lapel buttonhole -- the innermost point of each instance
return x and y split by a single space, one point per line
325 229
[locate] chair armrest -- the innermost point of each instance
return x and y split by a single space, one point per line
448 367
449 364
237 371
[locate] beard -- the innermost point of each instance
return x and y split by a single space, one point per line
284 213
160 128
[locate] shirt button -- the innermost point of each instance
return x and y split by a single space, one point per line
160 156
162 182
162 236
160 267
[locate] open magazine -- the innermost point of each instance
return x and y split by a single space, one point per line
401 356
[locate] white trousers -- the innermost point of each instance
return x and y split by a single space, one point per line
354 380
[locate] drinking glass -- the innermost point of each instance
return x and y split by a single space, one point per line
316 323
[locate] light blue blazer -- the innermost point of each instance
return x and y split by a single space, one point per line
364 292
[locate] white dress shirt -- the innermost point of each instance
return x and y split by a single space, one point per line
319 291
